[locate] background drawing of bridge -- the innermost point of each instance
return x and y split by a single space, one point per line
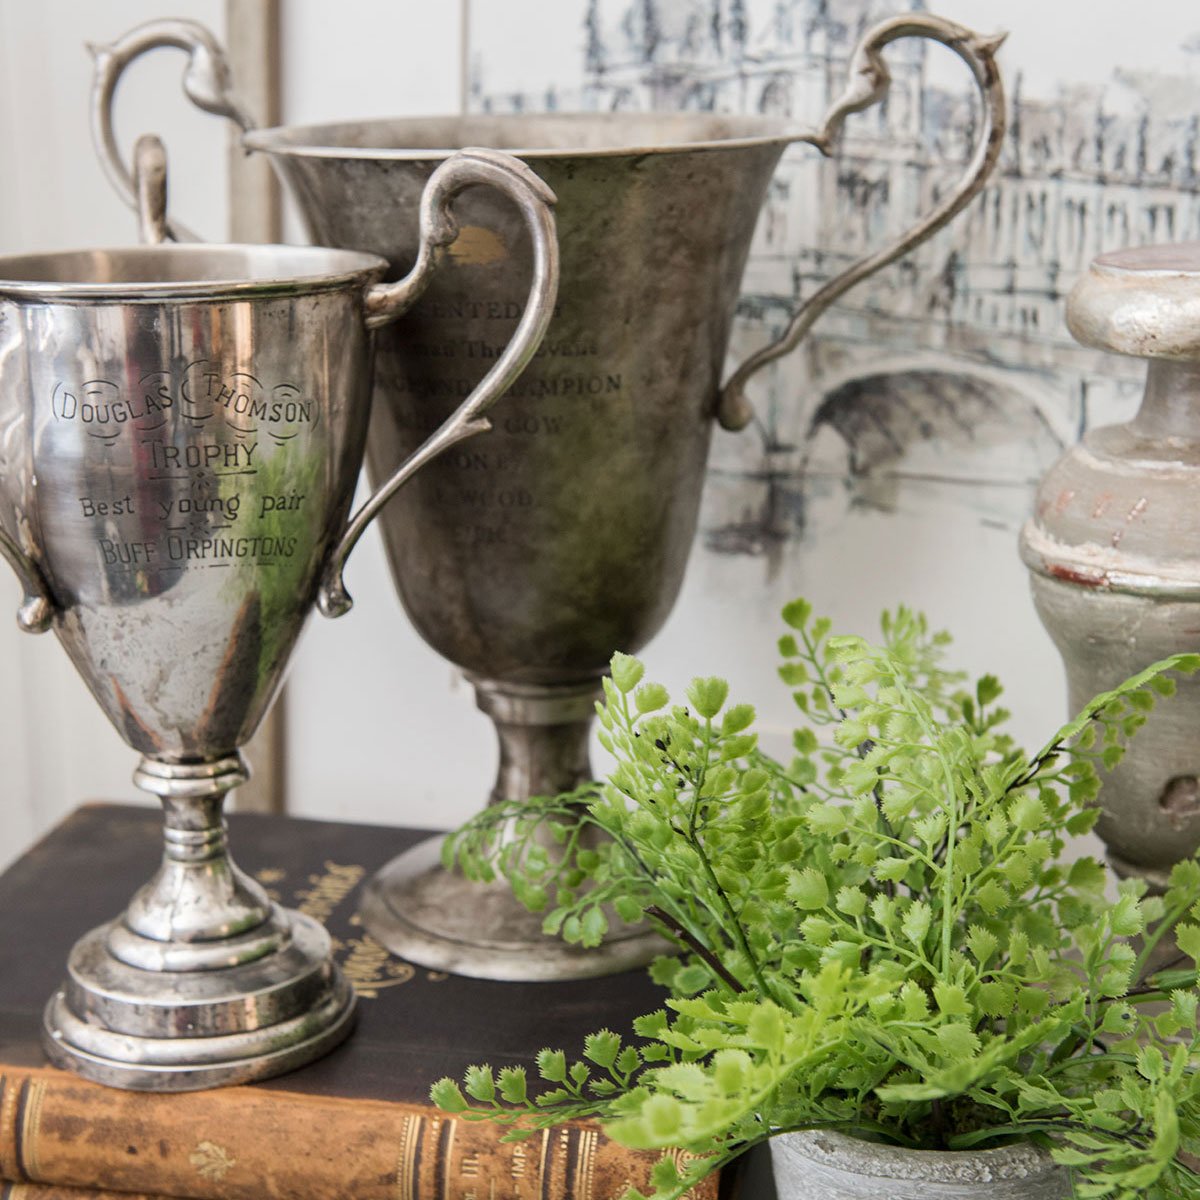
948 378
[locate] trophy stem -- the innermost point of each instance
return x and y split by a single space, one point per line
198 894
543 736
436 918
203 980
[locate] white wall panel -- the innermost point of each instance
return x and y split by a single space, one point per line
363 58
379 727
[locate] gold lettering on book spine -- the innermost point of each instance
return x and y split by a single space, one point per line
682 1160
586 1162
410 1139
31 1126
371 967
544 1158
519 1161
328 889
8 1116
451 1130
564 1145
212 1161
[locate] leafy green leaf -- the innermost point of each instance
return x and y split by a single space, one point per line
807 889
957 1041
602 1048
480 1083
915 922
447 1096
511 1083
593 926
996 998
626 672
1187 938
951 999
650 697
708 695
797 613
1125 916
552 1065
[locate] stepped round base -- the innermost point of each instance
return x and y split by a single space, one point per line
180 1031
436 918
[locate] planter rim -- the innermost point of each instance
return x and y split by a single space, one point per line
1021 1160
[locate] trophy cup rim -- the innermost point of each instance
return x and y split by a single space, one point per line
528 136
190 271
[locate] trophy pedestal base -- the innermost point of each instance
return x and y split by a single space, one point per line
248 1018
435 918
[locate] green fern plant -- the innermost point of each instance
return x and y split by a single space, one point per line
884 936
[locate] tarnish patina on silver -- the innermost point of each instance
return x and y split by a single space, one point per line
438 230
178 598
824 1165
563 535
1113 547
181 431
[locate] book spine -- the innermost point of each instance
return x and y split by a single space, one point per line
50 1191
248 1144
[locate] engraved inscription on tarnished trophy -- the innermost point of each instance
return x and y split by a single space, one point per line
210 510
181 431
529 557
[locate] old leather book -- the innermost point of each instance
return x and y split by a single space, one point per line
358 1123
50 1191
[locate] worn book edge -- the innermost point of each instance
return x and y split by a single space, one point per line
248 1144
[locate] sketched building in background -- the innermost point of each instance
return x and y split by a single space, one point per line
949 377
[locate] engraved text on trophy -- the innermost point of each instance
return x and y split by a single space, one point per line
203 439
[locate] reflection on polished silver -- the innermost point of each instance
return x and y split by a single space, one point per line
532 557
181 429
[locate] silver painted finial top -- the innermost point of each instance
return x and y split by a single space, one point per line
1143 301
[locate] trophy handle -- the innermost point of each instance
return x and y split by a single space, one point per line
207 81
150 188
868 83
37 609
386 301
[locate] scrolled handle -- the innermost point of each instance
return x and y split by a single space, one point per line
385 302
37 610
207 81
150 187
868 83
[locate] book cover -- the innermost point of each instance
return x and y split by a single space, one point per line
357 1123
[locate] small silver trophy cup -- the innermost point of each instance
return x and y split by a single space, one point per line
564 537
181 429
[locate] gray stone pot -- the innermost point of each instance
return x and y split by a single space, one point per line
821 1165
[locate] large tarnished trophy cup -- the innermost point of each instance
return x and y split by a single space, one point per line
181 429
532 557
